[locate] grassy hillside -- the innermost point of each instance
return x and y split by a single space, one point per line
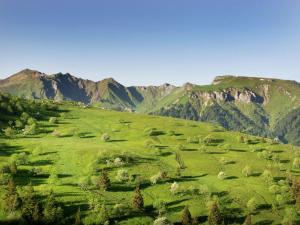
200 162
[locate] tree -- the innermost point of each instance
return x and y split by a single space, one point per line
104 217
138 201
248 220
78 217
186 216
252 205
105 137
28 203
162 220
53 214
13 168
103 181
214 216
11 198
247 171
179 160
36 215
53 120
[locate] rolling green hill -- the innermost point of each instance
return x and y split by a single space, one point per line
259 106
175 162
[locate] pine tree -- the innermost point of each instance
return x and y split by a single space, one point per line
248 220
186 217
78 217
13 168
36 216
138 201
28 203
52 213
104 217
179 161
104 181
11 198
214 217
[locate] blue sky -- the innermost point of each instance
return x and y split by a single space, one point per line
142 42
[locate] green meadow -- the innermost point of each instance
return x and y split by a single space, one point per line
175 163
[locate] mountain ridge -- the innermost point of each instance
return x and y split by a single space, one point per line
259 106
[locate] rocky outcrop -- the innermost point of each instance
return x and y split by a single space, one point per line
243 95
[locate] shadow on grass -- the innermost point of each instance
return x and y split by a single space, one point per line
118 140
264 222
8 150
231 178
48 153
264 207
121 188
189 178
256 174
43 162
237 150
284 161
189 150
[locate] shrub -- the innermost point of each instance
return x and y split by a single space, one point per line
192 140
291 216
247 171
20 159
275 189
162 220
161 206
267 176
105 137
158 177
296 163
9 132
252 205
53 120
19 124
122 175
30 129
221 175
225 161
121 209
174 188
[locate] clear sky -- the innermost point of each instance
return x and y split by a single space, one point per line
142 42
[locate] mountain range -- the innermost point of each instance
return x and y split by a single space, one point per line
260 106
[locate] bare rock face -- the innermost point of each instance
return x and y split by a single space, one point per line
245 96
248 96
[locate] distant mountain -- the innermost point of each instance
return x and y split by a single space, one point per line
260 106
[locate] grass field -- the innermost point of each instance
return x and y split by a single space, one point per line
69 153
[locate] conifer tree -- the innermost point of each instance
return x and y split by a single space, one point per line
28 203
214 216
104 181
248 220
186 217
13 168
52 213
104 217
138 201
78 217
36 215
11 198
